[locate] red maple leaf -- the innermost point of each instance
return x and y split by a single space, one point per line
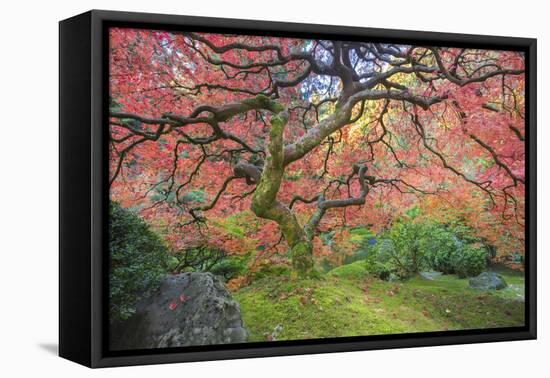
172 306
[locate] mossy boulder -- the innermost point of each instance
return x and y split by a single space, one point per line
488 281
188 309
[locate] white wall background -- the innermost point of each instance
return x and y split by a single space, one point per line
29 187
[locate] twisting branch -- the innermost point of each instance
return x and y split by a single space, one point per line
341 117
497 160
323 205
195 210
177 122
471 78
297 198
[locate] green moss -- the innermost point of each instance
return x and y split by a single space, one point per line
233 229
264 102
279 120
362 231
357 239
302 258
516 284
356 270
276 107
345 302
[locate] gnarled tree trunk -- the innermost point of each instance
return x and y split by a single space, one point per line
265 204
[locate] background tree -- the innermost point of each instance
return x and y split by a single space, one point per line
313 135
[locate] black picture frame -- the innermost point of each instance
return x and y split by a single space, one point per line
83 195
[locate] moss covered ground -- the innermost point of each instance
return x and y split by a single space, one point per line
348 302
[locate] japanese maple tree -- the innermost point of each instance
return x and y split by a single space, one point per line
312 135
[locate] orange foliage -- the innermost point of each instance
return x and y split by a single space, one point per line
478 130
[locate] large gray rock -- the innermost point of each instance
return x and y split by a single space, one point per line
188 309
488 281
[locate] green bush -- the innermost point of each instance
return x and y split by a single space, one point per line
447 252
399 250
411 245
469 261
271 270
379 260
208 259
229 268
138 260
439 248
199 259
380 270
407 237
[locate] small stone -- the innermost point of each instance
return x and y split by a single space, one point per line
430 275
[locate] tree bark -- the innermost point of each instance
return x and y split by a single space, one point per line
265 204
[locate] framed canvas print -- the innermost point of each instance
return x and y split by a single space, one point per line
234 188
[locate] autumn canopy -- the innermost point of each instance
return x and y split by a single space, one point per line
296 138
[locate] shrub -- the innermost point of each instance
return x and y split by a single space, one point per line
138 259
380 270
469 261
439 248
407 237
399 250
378 262
268 269
411 245
207 259
229 268
446 252
200 259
